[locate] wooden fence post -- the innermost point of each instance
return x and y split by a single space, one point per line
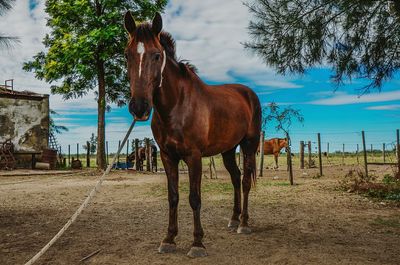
357 151
365 154
137 164
309 154
261 154
213 170
77 151
372 152
319 154
289 159
88 154
69 155
398 151
343 155
127 153
301 154
384 152
148 155
107 152
154 159
327 150
119 146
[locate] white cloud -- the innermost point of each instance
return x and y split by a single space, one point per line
212 38
345 99
385 107
278 84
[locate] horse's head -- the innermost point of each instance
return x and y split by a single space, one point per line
146 61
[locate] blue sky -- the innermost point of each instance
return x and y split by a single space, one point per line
211 38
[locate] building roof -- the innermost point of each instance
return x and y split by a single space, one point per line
8 93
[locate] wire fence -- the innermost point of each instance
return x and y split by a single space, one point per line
337 148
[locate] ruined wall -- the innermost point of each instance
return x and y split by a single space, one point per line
25 120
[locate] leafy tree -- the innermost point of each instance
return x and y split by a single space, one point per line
93 144
6 41
359 38
283 118
142 143
56 129
85 52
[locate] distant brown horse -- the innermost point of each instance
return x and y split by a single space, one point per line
191 120
273 147
142 157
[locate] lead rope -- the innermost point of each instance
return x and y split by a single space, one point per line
84 204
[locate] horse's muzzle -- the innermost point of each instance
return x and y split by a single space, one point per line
140 109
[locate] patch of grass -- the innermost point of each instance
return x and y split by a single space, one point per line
269 183
393 223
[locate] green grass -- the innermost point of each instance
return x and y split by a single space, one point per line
393 223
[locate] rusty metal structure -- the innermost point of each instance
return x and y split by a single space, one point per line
7 159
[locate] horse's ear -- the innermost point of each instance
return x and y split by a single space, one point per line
157 24
129 23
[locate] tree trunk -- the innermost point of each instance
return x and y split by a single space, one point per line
101 105
101 102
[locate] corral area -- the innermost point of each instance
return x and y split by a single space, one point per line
313 222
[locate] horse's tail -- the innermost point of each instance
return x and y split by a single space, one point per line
253 171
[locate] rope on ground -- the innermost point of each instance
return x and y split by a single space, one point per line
83 205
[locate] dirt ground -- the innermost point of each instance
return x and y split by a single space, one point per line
312 222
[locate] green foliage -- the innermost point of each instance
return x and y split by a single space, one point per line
6 41
387 189
283 118
56 129
359 38
142 143
389 179
92 143
85 35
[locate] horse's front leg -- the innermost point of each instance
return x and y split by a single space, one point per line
276 161
168 245
194 164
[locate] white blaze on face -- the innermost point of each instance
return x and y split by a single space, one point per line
163 66
141 51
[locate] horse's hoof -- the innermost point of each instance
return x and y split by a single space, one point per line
167 248
197 252
244 230
233 224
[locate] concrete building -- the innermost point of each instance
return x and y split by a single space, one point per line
24 119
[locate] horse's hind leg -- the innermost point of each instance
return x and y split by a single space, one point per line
233 169
249 150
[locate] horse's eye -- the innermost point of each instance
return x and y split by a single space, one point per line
157 57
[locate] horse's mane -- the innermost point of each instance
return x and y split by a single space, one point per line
144 32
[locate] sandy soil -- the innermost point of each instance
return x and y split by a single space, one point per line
312 222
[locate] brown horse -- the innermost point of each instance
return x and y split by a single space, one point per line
190 120
141 158
273 147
